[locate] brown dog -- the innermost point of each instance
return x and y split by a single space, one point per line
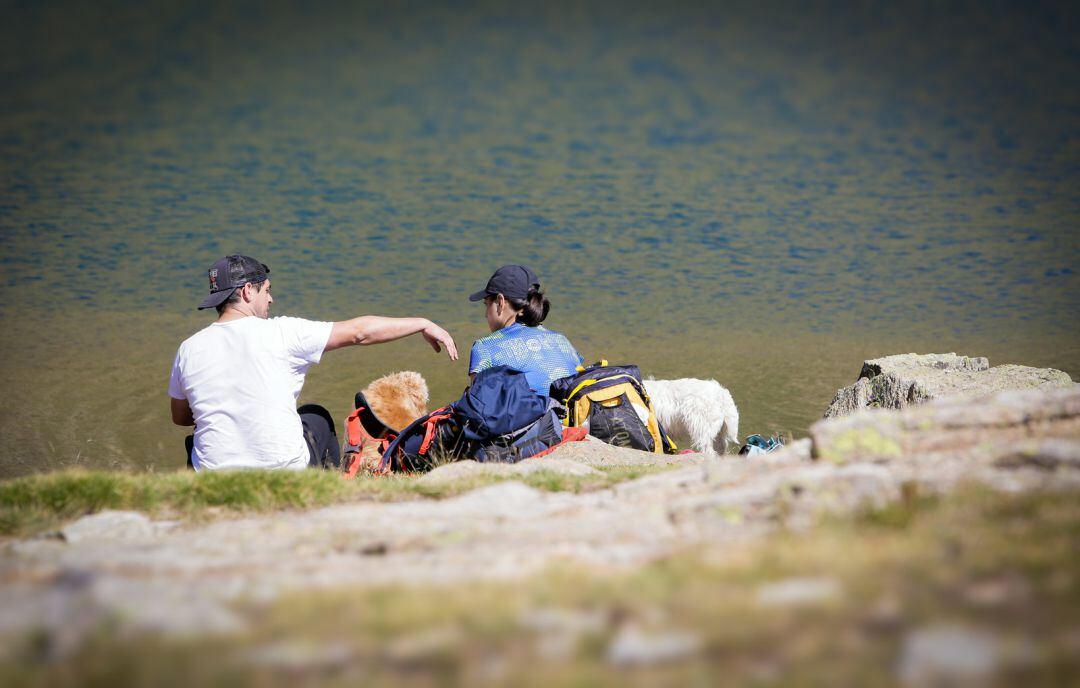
396 400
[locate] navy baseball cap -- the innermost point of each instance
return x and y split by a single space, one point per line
229 274
512 281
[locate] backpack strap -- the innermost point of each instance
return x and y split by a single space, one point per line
357 436
355 432
429 429
575 434
425 424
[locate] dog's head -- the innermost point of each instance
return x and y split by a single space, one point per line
398 399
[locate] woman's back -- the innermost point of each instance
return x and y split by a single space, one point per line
514 307
542 354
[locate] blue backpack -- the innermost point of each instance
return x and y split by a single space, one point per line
498 402
498 418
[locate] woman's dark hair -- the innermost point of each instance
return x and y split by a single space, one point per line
533 309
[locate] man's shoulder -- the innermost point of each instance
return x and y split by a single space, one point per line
204 334
287 320
295 329
293 322
217 331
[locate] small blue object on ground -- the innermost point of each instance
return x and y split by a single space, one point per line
756 444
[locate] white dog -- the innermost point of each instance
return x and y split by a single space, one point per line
702 409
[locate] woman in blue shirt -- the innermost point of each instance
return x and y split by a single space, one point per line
515 307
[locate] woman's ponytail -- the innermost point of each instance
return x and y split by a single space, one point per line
533 309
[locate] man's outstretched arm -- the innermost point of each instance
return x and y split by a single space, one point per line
181 412
376 329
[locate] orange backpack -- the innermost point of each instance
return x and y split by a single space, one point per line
364 431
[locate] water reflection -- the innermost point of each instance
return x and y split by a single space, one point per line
763 194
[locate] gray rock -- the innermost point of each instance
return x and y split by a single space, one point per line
598 453
1047 453
79 603
501 499
458 471
464 470
416 647
296 656
109 525
633 647
567 620
552 465
948 655
906 379
164 608
559 631
185 580
63 614
1010 427
1005 589
798 592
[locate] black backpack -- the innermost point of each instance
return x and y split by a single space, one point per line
612 400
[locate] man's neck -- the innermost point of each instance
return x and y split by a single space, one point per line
231 314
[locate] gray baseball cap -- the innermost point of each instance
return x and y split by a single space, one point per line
229 274
512 281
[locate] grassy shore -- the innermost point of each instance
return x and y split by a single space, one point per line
998 569
37 503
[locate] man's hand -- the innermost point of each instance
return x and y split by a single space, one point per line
438 338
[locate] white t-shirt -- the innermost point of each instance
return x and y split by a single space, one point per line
242 379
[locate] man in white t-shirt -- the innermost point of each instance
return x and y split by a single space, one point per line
237 380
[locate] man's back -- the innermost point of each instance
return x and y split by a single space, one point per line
242 378
237 381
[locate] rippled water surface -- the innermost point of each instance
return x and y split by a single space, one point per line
762 194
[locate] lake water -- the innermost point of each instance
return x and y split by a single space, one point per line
759 193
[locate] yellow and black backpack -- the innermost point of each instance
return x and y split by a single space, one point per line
611 400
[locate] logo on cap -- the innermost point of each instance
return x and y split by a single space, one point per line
213 279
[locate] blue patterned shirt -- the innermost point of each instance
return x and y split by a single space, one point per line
542 354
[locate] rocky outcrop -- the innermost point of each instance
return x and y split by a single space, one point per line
1012 429
464 470
140 575
899 381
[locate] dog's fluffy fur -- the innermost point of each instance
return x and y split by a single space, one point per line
396 399
702 409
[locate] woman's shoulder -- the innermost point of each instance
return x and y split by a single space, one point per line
495 336
517 330
550 333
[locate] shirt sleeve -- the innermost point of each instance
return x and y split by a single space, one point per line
176 389
304 340
573 351
478 358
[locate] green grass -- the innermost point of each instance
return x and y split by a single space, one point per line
919 564
36 503
40 501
